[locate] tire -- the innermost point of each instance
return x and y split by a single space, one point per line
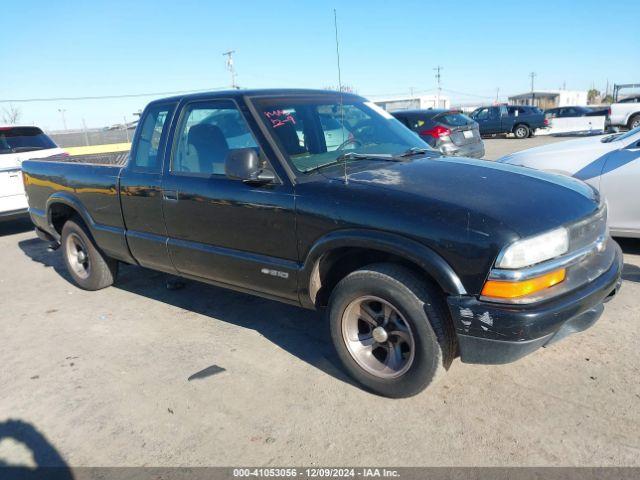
634 121
420 334
521 131
89 268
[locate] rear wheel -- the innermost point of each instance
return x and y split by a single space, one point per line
634 122
390 330
89 268
521 131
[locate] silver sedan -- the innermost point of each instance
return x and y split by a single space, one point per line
610 163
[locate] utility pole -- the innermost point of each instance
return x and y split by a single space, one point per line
86 135
64 120
126 129
533 75
231 68
438 77
497 95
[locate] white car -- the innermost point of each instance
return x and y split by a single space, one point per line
610 163
16 145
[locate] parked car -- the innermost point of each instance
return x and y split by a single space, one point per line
449 131
626 113
609 163
418 258
17 144
520 120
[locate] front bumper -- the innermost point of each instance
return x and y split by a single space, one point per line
493 333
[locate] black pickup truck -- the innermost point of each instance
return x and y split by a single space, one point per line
322 199
521 120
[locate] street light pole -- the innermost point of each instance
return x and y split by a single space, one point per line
533 76
64 120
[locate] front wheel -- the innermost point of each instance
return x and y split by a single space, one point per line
521 131
390 330
634 122
89 268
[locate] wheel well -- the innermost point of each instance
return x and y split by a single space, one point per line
59 214
631 117
340 262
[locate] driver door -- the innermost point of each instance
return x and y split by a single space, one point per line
223 230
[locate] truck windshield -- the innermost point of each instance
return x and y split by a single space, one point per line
23 139
316 131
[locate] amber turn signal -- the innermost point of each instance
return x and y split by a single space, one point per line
502 289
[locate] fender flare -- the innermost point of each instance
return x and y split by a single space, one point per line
424 257
70 201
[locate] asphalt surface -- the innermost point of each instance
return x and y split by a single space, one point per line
139 374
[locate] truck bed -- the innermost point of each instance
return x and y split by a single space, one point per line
86 187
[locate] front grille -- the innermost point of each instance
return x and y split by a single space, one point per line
589 230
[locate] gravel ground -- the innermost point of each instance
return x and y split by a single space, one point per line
107 379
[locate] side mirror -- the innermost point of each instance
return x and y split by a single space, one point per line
243 164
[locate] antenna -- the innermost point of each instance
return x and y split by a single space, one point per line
335 25
231 68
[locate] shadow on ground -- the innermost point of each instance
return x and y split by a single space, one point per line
48 461
11 227
301 332
630 246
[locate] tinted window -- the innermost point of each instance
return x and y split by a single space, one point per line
23 139
206 134
147 156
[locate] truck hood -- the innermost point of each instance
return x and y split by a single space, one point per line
522 200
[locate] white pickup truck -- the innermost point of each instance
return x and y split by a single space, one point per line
626 113
16 145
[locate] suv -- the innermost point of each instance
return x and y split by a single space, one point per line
449 131
521 120
16 145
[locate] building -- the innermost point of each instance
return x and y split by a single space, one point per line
550 98
411 102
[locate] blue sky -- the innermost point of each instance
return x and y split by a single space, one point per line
87 48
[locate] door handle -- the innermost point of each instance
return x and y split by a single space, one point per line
171 195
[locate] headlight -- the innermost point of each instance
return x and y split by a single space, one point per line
530 251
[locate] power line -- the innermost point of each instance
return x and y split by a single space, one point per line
107 97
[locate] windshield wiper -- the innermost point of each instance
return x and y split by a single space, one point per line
416 151
381 157
610 138
385 157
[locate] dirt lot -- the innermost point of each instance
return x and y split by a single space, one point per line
105 378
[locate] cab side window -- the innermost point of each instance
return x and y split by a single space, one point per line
148 153
207 132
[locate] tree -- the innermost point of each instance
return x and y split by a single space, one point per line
345 89
592 95
11 115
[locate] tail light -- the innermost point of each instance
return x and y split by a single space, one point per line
609 111
436 132
546 122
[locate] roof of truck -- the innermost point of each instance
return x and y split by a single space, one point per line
255 93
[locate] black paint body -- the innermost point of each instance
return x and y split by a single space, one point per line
448 217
